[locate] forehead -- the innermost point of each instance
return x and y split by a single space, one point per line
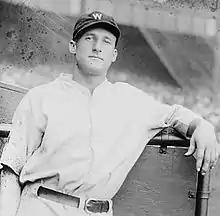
100 32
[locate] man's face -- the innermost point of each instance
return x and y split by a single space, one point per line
95 51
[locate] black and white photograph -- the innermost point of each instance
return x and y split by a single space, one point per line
109 107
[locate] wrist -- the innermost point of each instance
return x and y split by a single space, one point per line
198 122
193 125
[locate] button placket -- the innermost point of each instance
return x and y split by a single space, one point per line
91 131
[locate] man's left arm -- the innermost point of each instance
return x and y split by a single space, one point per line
191 125
202 136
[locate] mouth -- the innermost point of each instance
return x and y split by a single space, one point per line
96 57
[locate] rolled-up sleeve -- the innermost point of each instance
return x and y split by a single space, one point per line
26 133
180 118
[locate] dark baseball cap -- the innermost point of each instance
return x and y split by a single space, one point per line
94 20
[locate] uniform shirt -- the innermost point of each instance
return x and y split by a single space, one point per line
81 143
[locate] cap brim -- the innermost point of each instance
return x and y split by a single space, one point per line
97 24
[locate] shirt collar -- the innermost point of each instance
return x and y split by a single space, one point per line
68 79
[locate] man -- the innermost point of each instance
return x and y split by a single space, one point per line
80 135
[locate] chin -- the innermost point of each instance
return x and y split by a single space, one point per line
97 70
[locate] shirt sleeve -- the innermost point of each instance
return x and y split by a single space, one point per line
28 124
175 116
180 118
163 115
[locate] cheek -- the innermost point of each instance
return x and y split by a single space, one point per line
110 56
83 49
81 54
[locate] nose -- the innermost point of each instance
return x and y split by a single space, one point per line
97 46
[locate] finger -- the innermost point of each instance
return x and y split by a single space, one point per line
192 147
200 156
206 161
216 157
217 151
213 158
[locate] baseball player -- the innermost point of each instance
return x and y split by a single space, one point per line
74 140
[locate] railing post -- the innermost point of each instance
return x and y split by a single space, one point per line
202 194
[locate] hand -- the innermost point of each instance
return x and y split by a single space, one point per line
204 140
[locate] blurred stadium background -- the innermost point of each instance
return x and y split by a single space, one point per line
168 48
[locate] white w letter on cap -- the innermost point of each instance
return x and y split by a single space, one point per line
97 16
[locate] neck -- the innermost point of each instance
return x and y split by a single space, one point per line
88 80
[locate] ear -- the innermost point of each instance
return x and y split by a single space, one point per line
72 47
115 54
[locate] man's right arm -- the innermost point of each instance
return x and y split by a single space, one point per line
10 192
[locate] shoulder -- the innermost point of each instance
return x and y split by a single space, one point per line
136 97
123 87
38 93
40 90
130 91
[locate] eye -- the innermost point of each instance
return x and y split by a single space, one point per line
89 37
107 41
